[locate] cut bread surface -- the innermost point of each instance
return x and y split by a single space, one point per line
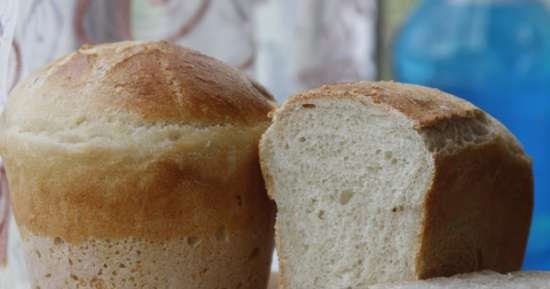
480 280
384 182
334 197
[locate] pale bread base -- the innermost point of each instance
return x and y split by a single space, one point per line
231 262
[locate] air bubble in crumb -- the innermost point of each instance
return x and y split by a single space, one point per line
373 169
321 214
345 197
192 241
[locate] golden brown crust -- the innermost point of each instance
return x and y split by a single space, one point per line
477 212
425 106
152 81
193 188
180 157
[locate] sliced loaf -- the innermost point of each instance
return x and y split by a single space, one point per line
383 182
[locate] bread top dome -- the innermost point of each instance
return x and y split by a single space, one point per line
107 90
146 140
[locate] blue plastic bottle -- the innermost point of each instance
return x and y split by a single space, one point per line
496 54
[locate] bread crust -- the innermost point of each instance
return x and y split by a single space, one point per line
192 188
202 176
494 158
426 107
152 81
477 213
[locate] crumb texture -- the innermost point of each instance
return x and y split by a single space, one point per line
342 222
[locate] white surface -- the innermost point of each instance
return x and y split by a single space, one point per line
345 202
479 280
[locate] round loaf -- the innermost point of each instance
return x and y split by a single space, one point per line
134 165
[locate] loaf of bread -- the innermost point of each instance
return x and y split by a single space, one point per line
481 280
382 182
135 165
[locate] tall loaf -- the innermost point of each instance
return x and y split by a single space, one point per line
134 165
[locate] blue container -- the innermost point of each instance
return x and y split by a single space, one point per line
496 54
